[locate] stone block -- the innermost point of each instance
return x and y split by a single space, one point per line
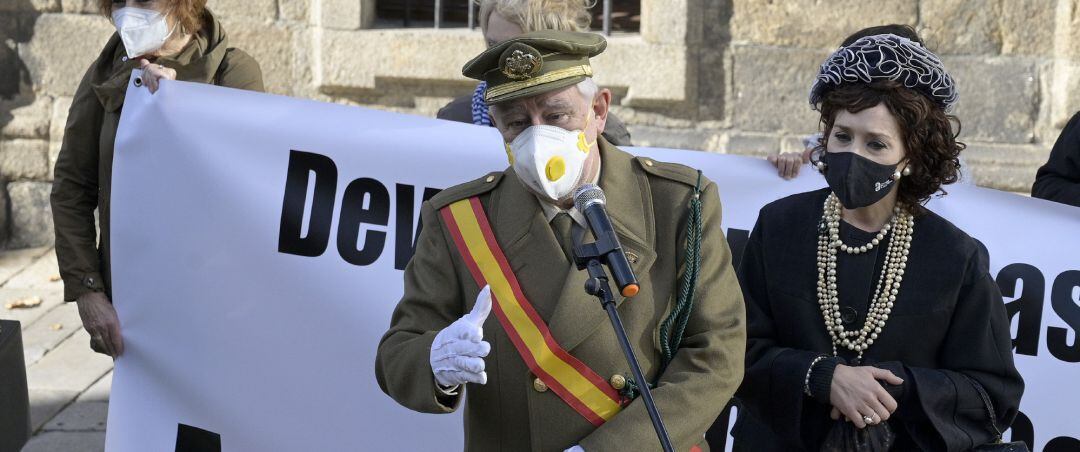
1065 92
29 5
67 442
352 60
1025 28
749 144
49 331
14 261
100 391
80 6
44 404
1004 167
771 87
961 26
271 45
57 125
70 367
298 10
998 98
65 46
346 14
50 298
27 118
80 417
38 275
663 137
813 24
23 159
1067 32
31 217
663 22
256 10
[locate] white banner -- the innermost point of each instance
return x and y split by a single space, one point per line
258 243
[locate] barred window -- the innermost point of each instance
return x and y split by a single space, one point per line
609 16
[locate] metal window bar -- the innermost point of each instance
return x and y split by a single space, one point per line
438 14
472 15
607 17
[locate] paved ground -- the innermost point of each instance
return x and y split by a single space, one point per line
69 384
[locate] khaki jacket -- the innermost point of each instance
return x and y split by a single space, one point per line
83 173
647 201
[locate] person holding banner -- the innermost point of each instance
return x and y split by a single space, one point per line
871 319
166 39
494 302
1059 179
504 19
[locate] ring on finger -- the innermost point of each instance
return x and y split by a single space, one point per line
869 420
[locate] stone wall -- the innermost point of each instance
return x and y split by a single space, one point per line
716 75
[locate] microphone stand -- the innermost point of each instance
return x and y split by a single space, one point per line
590 257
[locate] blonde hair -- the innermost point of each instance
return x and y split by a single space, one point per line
537 15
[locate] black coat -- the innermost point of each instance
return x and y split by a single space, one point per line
1059 179
949 318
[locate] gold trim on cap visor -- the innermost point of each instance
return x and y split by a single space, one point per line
553 76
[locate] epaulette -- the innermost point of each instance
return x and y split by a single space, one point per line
673 171
466 190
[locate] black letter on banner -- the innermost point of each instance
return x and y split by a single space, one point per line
301 164
1022 430
1029 304
194 439
404 238
1066 307
736 239
1062 444
353 214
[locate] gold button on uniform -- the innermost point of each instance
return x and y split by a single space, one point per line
618 381
539 385
490 179
648 163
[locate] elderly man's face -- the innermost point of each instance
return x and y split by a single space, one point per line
566 108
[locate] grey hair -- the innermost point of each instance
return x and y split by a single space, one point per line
588 89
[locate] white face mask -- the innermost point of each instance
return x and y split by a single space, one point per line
550 159
142 30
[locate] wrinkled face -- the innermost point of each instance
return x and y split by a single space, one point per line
499 29
872 133
565 108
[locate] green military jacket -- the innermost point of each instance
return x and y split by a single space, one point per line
647 201
83 173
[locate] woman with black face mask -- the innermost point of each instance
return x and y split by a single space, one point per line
873 323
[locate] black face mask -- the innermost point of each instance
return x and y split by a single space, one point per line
856 180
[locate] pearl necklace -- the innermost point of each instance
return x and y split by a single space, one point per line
902 224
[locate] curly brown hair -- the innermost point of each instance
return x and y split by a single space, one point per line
188 13
932 149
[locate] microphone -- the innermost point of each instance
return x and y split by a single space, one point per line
590 201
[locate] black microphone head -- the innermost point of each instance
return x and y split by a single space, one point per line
587 195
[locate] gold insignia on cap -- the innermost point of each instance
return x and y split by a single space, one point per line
520 62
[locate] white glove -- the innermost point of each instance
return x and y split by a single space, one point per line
458 351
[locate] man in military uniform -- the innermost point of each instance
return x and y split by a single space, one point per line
546 373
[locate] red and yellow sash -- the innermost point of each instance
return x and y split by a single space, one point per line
579 386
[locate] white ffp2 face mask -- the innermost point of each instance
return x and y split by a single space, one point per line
550 159
142 30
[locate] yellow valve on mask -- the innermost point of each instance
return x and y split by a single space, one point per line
555 169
